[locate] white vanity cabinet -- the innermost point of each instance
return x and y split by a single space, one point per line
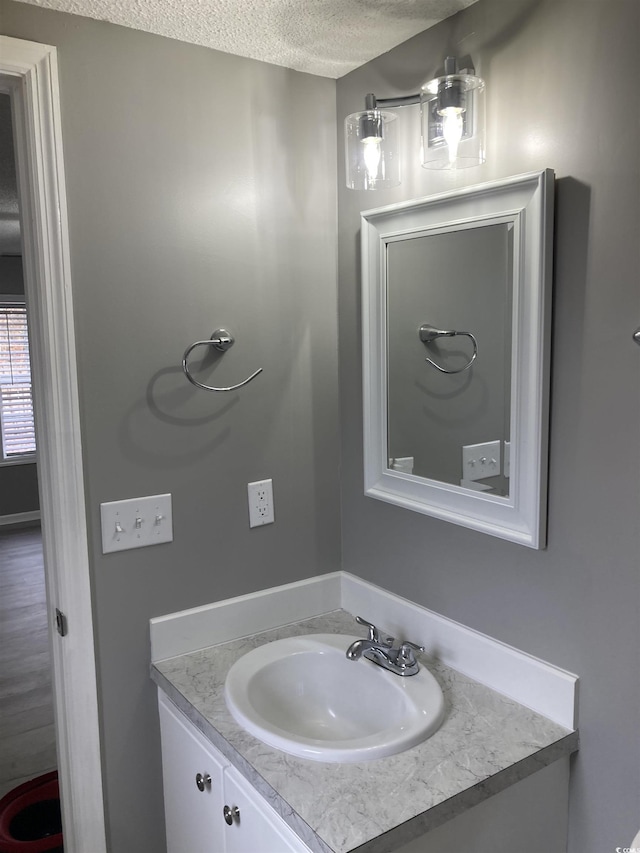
193 817
259 827
209 806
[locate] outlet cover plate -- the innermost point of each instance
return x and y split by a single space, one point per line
260 495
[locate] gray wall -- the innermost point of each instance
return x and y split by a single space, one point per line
18 489
18 483
11 278
552 103
201 194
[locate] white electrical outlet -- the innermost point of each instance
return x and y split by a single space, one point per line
481 460
136 523
401 463
260 496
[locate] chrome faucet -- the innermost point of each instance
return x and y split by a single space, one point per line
398 658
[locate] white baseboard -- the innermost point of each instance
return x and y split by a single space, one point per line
534 683
19 518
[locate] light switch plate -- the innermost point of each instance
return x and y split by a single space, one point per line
136 523
480 461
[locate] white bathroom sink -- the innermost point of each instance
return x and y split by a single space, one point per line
303 696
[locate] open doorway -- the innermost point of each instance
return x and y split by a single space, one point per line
28 75
27 730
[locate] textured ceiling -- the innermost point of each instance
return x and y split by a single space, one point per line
325 37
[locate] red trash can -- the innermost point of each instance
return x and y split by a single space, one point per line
30 819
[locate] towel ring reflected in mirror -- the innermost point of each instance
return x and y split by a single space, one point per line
428 334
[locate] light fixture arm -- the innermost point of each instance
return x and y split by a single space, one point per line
373 103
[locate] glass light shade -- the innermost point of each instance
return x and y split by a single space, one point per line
372 155
452 118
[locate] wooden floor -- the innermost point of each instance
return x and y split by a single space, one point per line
27 736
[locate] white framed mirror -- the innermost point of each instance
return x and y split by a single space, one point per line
456 301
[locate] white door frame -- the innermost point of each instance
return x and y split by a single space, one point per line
29 74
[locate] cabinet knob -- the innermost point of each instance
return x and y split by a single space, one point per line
231 813
203 782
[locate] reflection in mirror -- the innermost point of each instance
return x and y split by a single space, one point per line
448 418
456 304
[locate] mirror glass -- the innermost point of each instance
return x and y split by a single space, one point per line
456 303
450 426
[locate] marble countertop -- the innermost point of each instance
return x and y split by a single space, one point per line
486 743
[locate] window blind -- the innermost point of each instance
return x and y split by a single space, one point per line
16 402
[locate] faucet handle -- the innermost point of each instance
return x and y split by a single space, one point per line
374 635
406 655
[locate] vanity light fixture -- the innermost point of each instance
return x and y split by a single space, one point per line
452 127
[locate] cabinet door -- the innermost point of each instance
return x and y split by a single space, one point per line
256 827
193 817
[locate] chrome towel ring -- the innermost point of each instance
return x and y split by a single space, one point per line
428 334
221 340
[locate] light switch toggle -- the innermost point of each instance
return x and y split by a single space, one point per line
138 523
119 527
